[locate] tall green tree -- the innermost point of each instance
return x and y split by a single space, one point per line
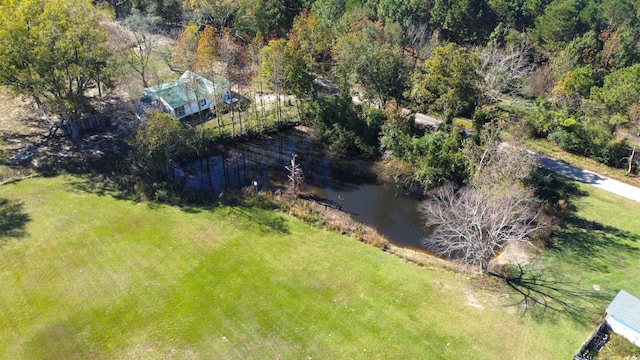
620 89
518 14
54 50
404 12
156 140
270 17
564 20
463 21
448 81
274 69
370 55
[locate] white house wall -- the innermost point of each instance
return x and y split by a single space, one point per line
623 330
166 105
193 108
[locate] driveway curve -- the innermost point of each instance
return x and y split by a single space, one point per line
589 177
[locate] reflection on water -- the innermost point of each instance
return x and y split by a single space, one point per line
350 184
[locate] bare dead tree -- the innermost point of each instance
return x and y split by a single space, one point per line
505 70
227 53
475 223
503 164
295 174
141 43
418 40
481 154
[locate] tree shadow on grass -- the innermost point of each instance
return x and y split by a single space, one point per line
594 246
543 289
545 294
555 191
101 186
267 221
12 220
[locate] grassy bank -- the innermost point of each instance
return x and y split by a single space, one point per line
88 275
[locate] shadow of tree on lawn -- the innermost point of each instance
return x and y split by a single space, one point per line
12 220
545 293
268 221
555 191
548 287
594 246
585 245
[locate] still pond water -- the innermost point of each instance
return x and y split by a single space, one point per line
348 184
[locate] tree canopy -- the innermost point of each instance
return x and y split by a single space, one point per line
54 50
448 81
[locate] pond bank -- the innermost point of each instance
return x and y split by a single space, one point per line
348 184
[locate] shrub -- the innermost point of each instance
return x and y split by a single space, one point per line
568 141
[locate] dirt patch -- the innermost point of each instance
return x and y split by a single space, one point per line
27 146
471 300
18 117
515 253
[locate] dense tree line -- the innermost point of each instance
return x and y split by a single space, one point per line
563 70
576 58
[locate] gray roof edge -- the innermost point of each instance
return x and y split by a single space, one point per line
626 308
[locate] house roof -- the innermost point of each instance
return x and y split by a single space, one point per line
626 308
189 88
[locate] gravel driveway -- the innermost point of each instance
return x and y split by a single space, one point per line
591 178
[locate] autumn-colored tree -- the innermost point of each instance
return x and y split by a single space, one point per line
207 46
186 48
207 56
310 40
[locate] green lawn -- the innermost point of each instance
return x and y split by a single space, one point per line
600 245
88 275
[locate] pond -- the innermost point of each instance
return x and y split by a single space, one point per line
349 184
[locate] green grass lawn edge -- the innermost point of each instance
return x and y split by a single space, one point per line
93 276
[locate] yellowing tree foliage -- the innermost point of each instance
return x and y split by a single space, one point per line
186 48
207 45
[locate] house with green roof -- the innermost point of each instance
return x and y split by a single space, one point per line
190 94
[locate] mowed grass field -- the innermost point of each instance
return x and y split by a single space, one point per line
85 275
599 246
